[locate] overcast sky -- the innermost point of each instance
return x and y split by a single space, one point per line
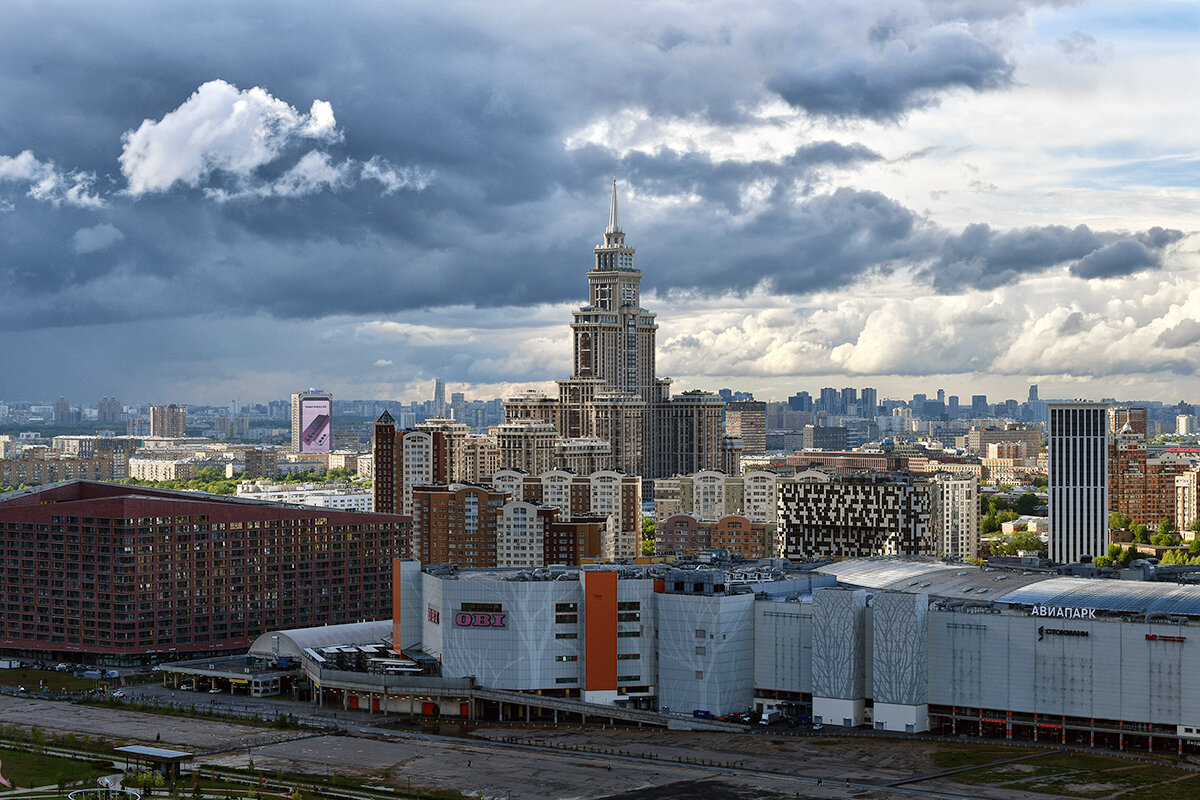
208 201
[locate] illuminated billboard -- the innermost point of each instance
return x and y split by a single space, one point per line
316 425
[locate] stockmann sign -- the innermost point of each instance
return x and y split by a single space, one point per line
1062 612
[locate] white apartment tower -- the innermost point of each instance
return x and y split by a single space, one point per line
959 508
1078 479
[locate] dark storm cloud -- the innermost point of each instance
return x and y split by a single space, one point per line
667 172
482 104
1072 325
887 81
828 241
1186 332
983 258
1115 260
1157 238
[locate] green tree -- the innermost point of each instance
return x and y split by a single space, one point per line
1102 562
1194 546
1025 540
648 533
1027 504
1194 525
1139 534
1119 521
1121 556
1041 481
1166 525
1162 540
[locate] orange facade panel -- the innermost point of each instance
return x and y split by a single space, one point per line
600 631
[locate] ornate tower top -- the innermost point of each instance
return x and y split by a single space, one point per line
614 254
614 220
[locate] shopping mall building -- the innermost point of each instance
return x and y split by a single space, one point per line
905 645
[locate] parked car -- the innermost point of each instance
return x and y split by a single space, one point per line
214 690
818 727
118 693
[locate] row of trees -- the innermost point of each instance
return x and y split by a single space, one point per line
213 480
1165 536
1013 544
1122 556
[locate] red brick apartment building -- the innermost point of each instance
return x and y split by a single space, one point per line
126 574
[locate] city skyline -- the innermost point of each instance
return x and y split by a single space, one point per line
818 200
965 397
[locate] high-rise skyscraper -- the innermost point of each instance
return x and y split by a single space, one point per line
169 421
613 334
1078 447
830 400
979 405
439 398
613 393
62 411
802 401
109 410
868 402
312 422
747 420
849 399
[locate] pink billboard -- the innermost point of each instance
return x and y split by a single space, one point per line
316 425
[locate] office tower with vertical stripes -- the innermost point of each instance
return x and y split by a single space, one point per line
1078 488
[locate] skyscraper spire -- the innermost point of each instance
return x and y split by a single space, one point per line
614 221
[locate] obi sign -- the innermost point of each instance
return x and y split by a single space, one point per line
465 619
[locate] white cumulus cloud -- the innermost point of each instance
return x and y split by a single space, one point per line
49 184
383 362
395 178
220 128
96 238
314 172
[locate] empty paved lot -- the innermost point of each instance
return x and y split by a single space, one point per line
539 764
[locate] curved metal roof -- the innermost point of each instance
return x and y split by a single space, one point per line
931 576
879 572
1015 587
1110 595
293 642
